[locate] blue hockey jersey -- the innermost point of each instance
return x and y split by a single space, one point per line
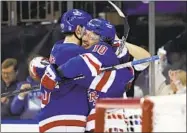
89 65
101 84
67 105
105 84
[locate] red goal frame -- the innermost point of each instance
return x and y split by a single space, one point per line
103 104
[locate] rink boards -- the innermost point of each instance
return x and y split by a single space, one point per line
19 126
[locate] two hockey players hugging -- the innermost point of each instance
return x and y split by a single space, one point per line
89 45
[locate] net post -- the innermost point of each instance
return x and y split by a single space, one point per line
99 118
147 115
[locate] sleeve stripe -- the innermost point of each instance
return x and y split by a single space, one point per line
96 80
90 66
109 81
103 81
93 58
96 66
93 63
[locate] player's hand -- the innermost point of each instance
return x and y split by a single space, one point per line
24 87
121 47
50 78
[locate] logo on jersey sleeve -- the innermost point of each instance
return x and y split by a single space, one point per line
92 97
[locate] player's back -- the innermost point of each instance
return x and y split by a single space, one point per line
62 52
68 96
101 56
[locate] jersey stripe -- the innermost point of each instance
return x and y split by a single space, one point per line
62 117
103 81
93 63
53 124
65 129
109 81
96 81
97 66
62 120
90 125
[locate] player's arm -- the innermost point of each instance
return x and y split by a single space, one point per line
89 64
86 64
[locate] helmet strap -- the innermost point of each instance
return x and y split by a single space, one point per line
80 39
82 33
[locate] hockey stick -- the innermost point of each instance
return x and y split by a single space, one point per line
126 27
12 93
116 67
121 14
131 63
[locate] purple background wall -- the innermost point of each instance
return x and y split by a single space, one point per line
169 7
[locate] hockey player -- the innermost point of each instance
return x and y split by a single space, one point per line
102 33
102 54
66 108
128 52
104 75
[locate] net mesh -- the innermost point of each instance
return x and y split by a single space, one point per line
168 115
123 120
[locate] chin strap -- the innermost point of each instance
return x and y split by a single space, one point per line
82 33
80 39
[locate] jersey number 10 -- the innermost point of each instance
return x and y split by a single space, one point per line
100 49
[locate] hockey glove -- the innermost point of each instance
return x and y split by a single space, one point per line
51 78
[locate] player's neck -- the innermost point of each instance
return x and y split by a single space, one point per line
71 39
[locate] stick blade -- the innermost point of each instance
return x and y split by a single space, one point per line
117 9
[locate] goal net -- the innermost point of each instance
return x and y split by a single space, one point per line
149 114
